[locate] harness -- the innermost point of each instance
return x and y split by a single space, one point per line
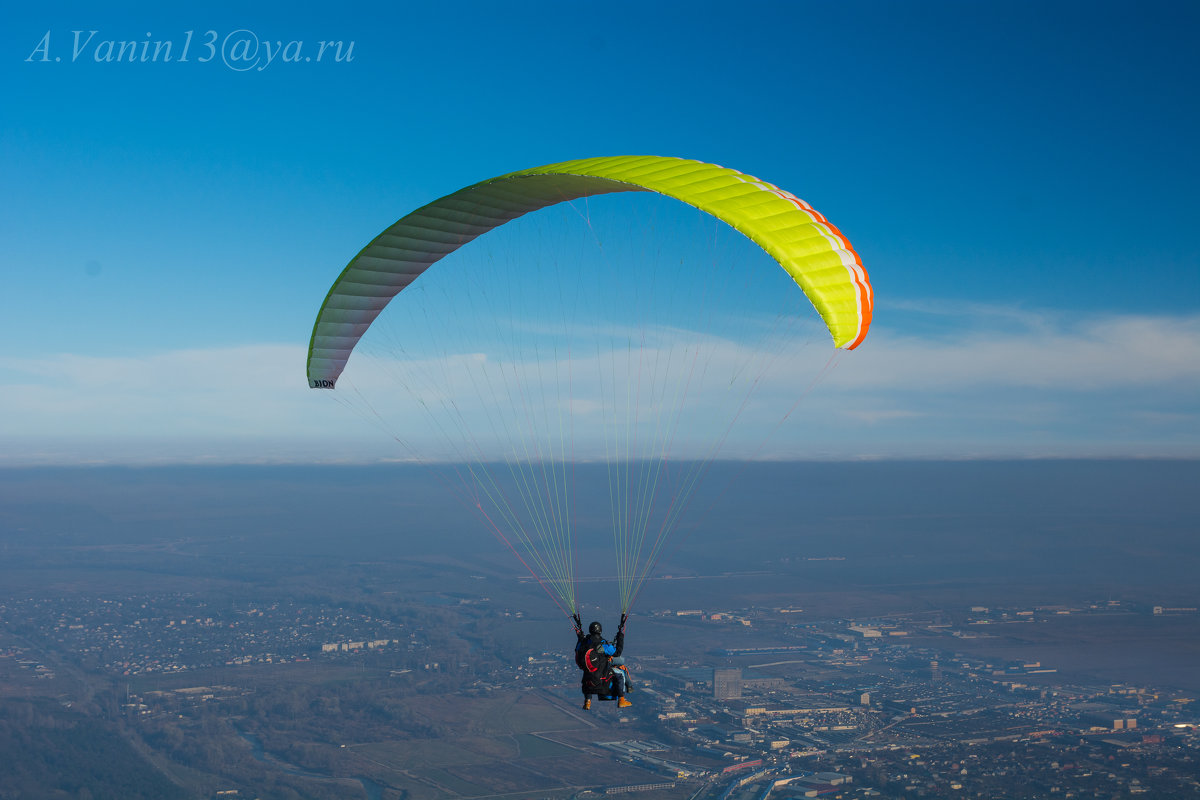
596 677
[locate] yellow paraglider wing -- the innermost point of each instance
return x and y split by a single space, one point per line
806 245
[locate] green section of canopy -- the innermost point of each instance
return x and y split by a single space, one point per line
804 243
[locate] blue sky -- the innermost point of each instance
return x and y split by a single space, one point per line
1019 179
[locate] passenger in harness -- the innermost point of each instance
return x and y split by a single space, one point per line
604 673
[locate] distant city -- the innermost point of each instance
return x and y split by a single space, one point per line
192 651
840 708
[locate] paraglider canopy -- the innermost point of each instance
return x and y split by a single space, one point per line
804 243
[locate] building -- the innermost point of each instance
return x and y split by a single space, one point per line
727 684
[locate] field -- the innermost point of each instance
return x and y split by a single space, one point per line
1100 649
510 751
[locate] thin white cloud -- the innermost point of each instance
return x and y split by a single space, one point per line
883 414
1090 354
993 381
237 391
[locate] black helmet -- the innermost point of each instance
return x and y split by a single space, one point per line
595 628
